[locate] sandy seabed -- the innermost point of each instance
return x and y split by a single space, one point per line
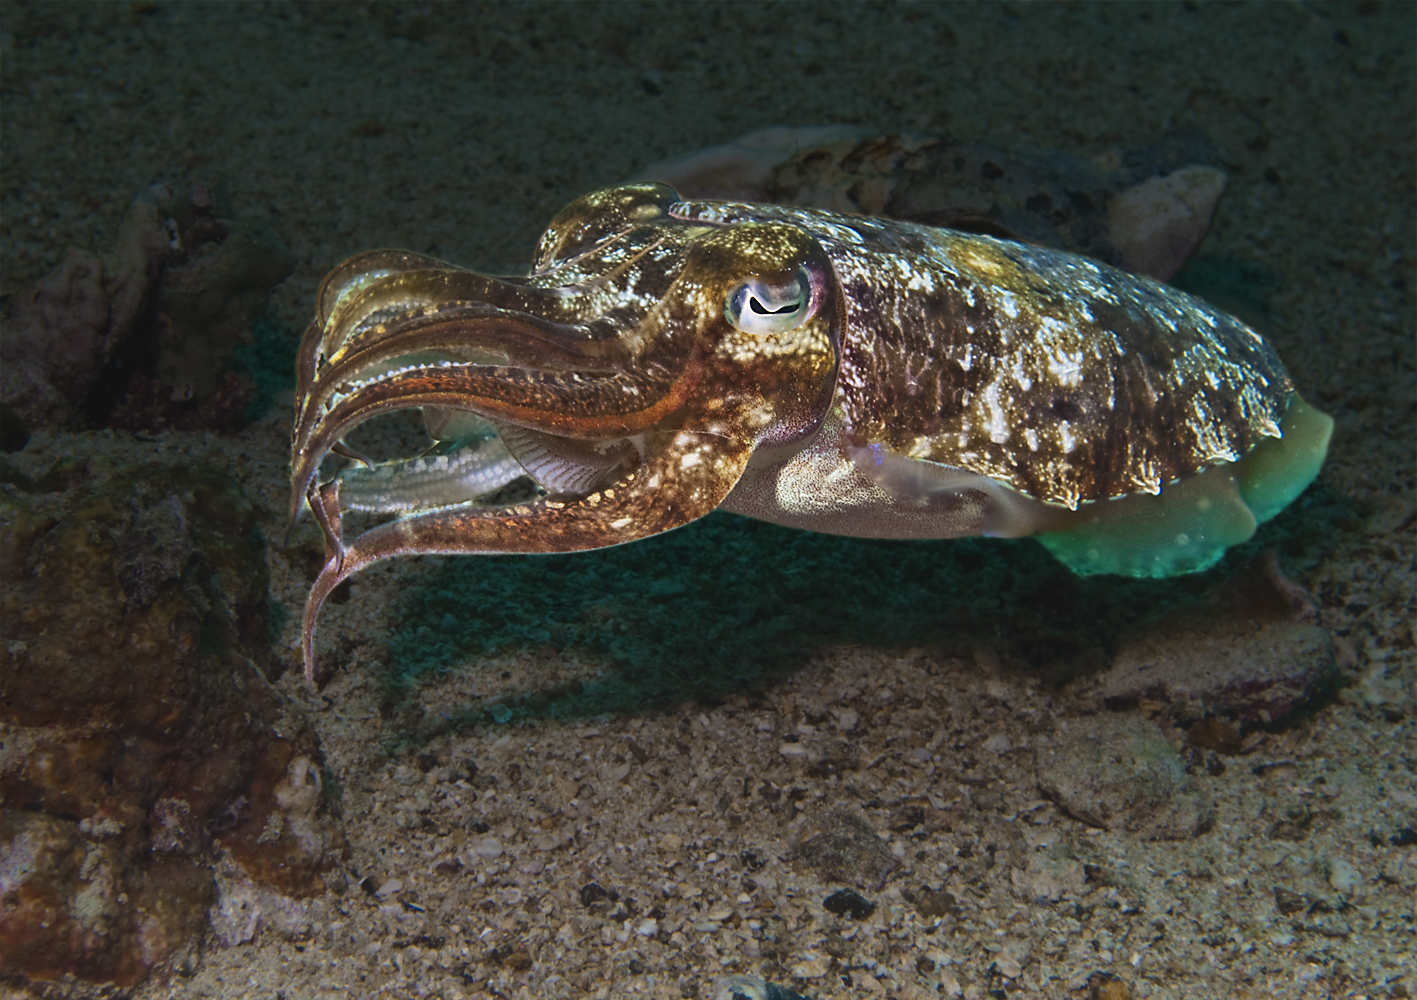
458 131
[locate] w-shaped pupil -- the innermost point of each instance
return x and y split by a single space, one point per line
761 310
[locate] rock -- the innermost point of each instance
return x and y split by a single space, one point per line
143 740
1119 772
1257 675
845 903
244 908
1158 224
1251 654
143 336
78 905
839 846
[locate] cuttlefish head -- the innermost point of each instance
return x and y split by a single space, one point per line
632 375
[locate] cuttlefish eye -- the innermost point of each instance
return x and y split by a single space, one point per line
761 306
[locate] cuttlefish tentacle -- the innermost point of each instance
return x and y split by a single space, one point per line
625 512
324 502
591 406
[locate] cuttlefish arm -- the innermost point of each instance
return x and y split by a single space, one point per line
387 309
737 356
689 476
348 279
595 406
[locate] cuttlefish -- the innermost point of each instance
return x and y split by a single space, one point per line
666 358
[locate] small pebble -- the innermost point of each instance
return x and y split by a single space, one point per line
750 988
998 743
811 967
845 903
1008 966
1105 986
487 847
592 892
1343 877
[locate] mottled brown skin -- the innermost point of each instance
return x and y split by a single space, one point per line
1009 378
1142 412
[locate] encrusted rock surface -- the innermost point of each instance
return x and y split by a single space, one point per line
141 738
